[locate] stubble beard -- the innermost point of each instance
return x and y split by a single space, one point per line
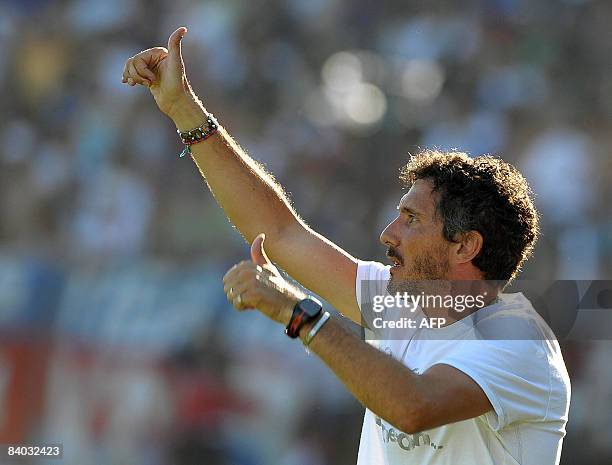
426 275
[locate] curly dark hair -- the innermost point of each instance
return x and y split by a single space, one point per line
484 194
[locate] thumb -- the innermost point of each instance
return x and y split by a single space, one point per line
258 254
174 44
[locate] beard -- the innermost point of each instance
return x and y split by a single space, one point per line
426 274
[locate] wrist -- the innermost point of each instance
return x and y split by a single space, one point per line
188 113
312 329
305 310
305 329
287 309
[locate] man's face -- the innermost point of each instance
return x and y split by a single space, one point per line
415 242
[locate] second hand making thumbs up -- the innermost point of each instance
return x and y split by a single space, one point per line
258 284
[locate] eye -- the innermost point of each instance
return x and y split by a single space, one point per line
410 218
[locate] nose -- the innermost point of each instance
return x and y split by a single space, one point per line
389 236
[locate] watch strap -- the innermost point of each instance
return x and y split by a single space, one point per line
299 318
316 328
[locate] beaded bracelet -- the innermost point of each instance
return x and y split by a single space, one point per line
199 134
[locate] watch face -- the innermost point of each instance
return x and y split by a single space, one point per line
310 307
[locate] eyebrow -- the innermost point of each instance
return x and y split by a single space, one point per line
405 209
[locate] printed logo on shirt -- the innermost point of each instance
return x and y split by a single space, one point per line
405 441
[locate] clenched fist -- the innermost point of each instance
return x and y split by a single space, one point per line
162 70
257 283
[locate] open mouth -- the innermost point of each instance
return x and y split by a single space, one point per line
395 261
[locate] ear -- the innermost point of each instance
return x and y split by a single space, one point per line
467 247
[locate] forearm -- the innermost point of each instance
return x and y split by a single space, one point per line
250 196
381 383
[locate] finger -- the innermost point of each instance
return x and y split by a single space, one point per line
174 44
239 304
236 298
239 284
228 289
246 301
232 283
124 76
230 273
241 288
136 77
153 56
233 299
142 69
238 265
258 254
250 299
243 269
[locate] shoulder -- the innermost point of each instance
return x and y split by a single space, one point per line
515 358
372 271
372 279
513 319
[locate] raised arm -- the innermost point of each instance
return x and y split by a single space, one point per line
251 198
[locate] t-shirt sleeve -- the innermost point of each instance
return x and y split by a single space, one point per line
515 375
371 281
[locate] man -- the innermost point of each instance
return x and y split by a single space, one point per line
482 384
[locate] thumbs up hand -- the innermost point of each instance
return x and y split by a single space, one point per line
257 283
162 70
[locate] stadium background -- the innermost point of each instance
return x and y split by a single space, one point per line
116 339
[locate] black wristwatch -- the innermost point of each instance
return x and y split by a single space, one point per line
304 311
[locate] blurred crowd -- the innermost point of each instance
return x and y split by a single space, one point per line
116 337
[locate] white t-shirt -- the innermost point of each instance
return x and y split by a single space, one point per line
524 378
